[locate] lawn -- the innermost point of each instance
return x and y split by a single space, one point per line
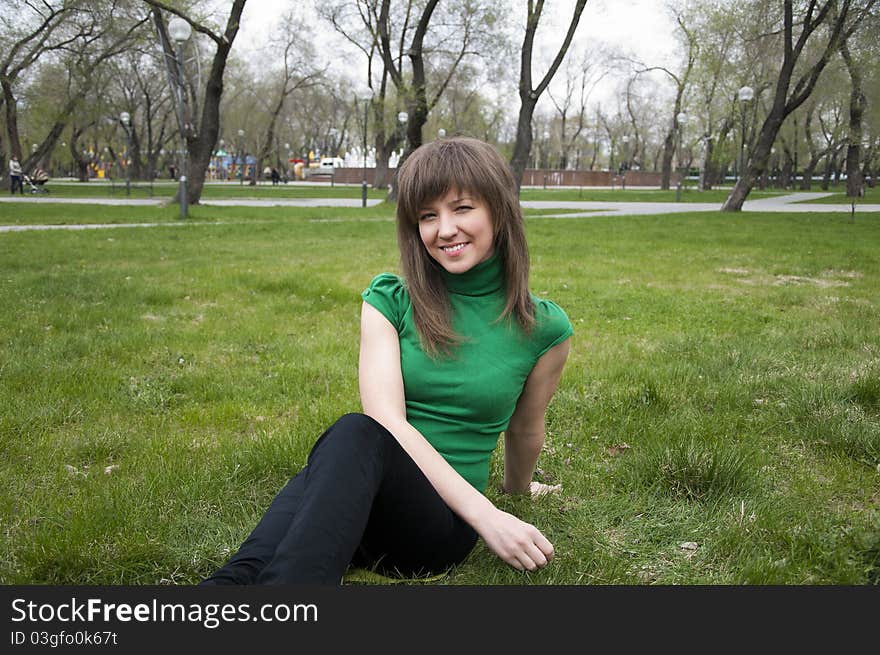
839 197
166 189
718 421
27 213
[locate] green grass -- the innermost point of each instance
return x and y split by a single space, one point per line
167 189
25 213
839 197
158 386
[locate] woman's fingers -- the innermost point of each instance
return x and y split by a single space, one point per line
518 543
536 553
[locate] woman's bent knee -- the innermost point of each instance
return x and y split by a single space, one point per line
355 431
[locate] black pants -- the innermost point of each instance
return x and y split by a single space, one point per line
16 181
360 500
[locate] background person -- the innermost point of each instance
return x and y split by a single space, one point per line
452 354
15 176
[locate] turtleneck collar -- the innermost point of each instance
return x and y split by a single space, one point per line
484 278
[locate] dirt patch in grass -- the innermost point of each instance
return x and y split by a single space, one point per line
827 279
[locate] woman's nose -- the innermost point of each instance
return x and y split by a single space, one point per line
448 227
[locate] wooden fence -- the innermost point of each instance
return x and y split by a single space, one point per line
531 178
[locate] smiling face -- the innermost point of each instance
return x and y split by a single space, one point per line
456 230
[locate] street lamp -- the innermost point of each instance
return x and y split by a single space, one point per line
745 95
180 31
681 119
402 118
240 160
441 133
625 165
125 119
364 171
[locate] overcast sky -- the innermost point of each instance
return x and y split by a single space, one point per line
640 27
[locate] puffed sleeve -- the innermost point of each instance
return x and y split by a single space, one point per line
553 326
387 293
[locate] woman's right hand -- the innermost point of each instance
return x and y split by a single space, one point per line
518 543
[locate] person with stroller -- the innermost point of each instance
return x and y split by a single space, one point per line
15 176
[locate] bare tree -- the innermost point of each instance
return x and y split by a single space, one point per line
297 72
681 81
582 77
790 91
200 133
529 95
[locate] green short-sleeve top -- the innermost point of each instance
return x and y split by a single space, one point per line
462 402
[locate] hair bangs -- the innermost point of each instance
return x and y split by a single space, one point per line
434 169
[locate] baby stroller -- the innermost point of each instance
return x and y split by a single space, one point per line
37 181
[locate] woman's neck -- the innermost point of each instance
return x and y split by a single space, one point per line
484 278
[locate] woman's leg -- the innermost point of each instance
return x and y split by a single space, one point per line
411 530
359 497
314 524
259 548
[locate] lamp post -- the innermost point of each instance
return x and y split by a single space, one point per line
625 165
180 31
544 156
745 95
795 147
402 118
364 171
441 133
681 119
240 159
125 119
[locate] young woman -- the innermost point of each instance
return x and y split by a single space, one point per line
452 354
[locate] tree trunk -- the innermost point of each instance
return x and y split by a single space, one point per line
383 155
830 165
523 146
785 176
10 104
666 165
855 186
809 171
706 176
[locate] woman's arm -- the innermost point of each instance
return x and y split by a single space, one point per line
381 387
524 436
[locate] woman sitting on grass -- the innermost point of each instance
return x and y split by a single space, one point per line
451 355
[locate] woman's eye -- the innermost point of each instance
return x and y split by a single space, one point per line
425 217
464 208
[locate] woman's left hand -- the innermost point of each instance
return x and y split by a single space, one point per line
537 489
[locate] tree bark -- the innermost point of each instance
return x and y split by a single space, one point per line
10 105
706 175
855 185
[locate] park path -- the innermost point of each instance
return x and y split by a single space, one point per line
793 202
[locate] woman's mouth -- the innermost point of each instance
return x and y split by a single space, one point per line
454 249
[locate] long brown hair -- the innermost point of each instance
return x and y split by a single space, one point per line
474 167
